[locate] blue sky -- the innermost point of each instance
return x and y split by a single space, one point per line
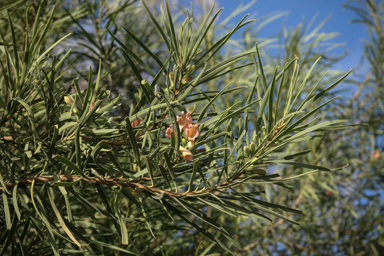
350 34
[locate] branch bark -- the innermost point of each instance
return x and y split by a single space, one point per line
122 182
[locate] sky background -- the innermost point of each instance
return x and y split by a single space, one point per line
349 33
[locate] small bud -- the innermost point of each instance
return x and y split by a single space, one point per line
253 148
136 123
375 155
76 111
264 130
172 79
256 138
137 97
171 76
186 79
190 69
68 100
247 151
144 82
185 141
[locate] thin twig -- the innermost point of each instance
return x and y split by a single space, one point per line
122 182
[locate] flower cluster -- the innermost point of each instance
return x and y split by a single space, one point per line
191 132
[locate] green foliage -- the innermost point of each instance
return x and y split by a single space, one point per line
169 142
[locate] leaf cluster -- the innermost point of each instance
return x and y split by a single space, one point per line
77 178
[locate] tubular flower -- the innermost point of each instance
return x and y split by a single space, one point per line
170 130
136 123
192 131
186 154
184 120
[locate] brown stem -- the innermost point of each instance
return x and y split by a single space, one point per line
122 182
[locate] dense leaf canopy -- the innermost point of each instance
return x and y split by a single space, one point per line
130 128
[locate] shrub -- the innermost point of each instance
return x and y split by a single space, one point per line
76 177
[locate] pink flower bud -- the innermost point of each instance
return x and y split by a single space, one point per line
136 123
375 155
170 130
186 154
